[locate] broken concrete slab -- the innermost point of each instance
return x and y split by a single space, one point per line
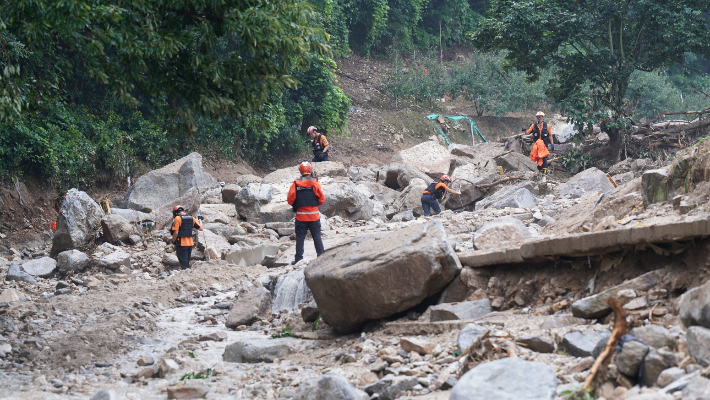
583 244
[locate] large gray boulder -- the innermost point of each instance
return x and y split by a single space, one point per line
345 200
410 198
654 336
589 180
251 306
399 176
79 215
694 307
378 275
516 162
697 389
506 379
116 228
698 339
517 196
72 260
429 157
229 192
381 192
258 350
499 233
329 387
130 215
42 267
252 198
657 361
465 178
163 185
163 215
460 311
361 174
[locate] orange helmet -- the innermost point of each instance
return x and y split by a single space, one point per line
445 178
177 209
312 129
305 168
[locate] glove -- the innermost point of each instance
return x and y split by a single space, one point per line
321 156
551 147
200 217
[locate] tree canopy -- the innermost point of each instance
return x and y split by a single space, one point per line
157 51
594 46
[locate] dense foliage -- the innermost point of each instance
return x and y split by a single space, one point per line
594 47
100 91
480 79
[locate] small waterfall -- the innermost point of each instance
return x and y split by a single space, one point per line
290 291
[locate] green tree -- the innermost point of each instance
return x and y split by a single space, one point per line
158 51
595 45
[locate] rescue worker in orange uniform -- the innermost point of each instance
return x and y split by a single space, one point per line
541 130
305 196
539 155
433 193
182 235
320 145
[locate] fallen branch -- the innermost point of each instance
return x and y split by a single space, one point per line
621 327
508 178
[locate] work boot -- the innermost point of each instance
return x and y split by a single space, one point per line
294 262
544 171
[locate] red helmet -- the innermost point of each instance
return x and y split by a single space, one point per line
177 209
311 129
445 178
305 168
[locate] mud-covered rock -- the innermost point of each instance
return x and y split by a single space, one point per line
115 260
655 186
353 283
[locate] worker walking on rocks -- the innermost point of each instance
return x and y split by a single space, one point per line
541 130
320 144
182 235
305 196
433 193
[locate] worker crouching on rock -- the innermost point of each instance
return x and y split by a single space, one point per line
182 235
306 195
321 147
433 193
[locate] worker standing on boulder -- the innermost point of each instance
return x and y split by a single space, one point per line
305 196
320 145
182 235
541 130
434 192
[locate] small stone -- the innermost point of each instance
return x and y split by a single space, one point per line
166 367
581 365
57 383
636 304
192 391
9 296
105 394
101 364
540 344
378 365
422 347
216 336
146 360
669 376
223 305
